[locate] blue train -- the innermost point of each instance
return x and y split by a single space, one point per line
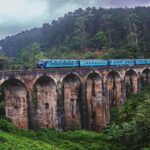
59 63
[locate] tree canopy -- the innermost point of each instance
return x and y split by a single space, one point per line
126 29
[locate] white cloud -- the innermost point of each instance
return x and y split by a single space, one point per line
18 15
21 11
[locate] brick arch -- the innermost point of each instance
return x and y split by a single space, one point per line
145 74
72 100
71 73
44 96
41 76
17 78
133 70
94 96
131 81
117 74
143 69
93 72
16 102
114 88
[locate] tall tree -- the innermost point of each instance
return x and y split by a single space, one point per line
80 36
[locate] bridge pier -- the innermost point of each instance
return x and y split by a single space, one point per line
60 107
16 102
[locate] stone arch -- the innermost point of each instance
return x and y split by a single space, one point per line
114 88
145 76
44 97
72 96
94 95
16 102
71 73
131 82
41 76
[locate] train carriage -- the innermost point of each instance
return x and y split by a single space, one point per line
93 63
121 62
148 61
141 61
62 63
58 63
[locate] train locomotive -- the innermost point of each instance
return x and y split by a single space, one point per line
59 63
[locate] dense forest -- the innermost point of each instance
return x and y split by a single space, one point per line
89 33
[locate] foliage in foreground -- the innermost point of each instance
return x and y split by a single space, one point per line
129 129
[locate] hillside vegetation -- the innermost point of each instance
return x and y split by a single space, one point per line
129 130
89 33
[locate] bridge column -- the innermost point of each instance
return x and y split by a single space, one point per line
145 77
72 96
106 99
114 86
16 102
85 123
123 92
96 101
131 82
60 107
139 82
32 113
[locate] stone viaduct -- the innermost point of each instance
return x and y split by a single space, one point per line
65 98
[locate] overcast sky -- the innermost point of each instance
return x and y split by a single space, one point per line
18 15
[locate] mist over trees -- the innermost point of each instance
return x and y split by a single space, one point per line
122 30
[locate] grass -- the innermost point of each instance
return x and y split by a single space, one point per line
9 141
54 140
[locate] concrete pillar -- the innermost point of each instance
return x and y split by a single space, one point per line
31 111
60 106
85 113
16 103
139 82
106 102
123 92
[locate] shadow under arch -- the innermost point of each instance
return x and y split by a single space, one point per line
44 103
145 77
114 88
131 82
15 97
94 95
72 101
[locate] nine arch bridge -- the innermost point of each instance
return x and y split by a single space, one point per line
68 97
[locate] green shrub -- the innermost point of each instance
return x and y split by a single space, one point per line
6 125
